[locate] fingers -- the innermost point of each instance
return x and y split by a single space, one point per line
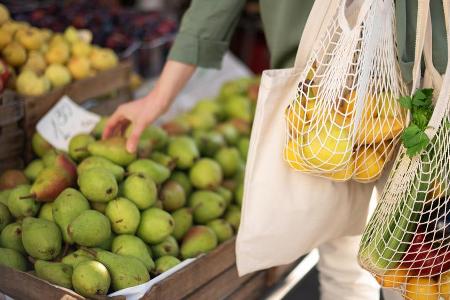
133 140
112 124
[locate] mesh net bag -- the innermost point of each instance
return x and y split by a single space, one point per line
406 244
345 120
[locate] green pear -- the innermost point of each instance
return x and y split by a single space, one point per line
222 229
54 272
184 150
107 244
5 216
4 195
46 212
229 132
100 162
238 107
239 194
11 237
99 127
140 189
33 169
163 159
172 196
198 240
235 87
209 106
164 263
78 146
167 247
183 179
124 216
49 157
113 149
125 271
77 257
130 245
99 206
9 179
209 142
156 136
206 174
22 207
98 184
225 193
183 222
155 226
243 145
41 238
177 126
90 279
153 170
207 206
13 259
200 120
90 228
233 216
229 160
67 206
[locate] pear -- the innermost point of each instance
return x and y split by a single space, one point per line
225 193
167 247
77 257
163 159
183 222
154 170
99 206
183 180
233 216
13 259
209 142
4 197
239 194
184 150
11 178
50 183
40 145
202 121
222 229
158 204
234 87
79 67
229 160
155 226
140 189
113 149
29 83
125 271
206 174
12 26
5 38
198 240
172 196
90 279
165 263
5 216
78 146
90 228
81 48
11 237
54 272
238 107
46 212
33 169
124 216
97 161
71 34
20 207
99 127
229 132
177 126
207 206
103 59
243 145
58 75
66 207
154 135
130 245
98 185
35 62
209 106
61 160
57 53
30 38
107 244
41 238
14 54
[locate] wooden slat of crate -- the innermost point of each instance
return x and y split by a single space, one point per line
11 143
14 162
252 289
11 108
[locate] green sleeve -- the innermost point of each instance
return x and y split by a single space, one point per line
205 32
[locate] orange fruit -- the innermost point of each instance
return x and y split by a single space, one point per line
421 288
393 278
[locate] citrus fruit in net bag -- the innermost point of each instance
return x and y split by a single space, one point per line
393 278
421 288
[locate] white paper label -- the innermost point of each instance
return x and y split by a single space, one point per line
63 121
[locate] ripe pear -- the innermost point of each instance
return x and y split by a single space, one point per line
5 216
61 160
167 247
5 38
12 26
229 160
233 216
239 194
113 149
163 159
222 229
209 142
50 183
49 157
79 67
57 53
54 272
165 263
206 174
90 228
35 62
78 146
124 216
11 178
243 145
99 206
77 257
41 238
155 226
103 59
183 179
97 161
98 184
184 150
46 212
130 245
33 169
90 279
172 196
207 206
177 126
155 135
152 169
14 54
200 121
140 189
13 259
81 48
183 222
209 106
19 207
4 14
198 240
58 75
40 145
11 237
106 245
229 132
238 107
71 34
4 197
30 38
99 127
29 83
225 193
66 207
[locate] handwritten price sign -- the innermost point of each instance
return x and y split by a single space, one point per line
65 120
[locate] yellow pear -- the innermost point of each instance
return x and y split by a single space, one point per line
5 38
46 34
290 155
369 164
4 14
71 34
135 81
30 84
80 67
58 53
375 130
81 48
58 75
35 62
14 54
57 39
11 26
103 59
30 38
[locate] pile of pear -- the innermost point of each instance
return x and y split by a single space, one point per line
41 60
98 219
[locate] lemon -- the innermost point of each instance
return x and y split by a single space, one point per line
421 288
375 130
344 174
393 278
369 165
444 285
291 156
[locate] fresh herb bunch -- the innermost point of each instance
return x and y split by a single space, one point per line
421 107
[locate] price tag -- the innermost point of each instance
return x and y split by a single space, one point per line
65 120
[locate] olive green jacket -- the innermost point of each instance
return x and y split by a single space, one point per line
208 26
